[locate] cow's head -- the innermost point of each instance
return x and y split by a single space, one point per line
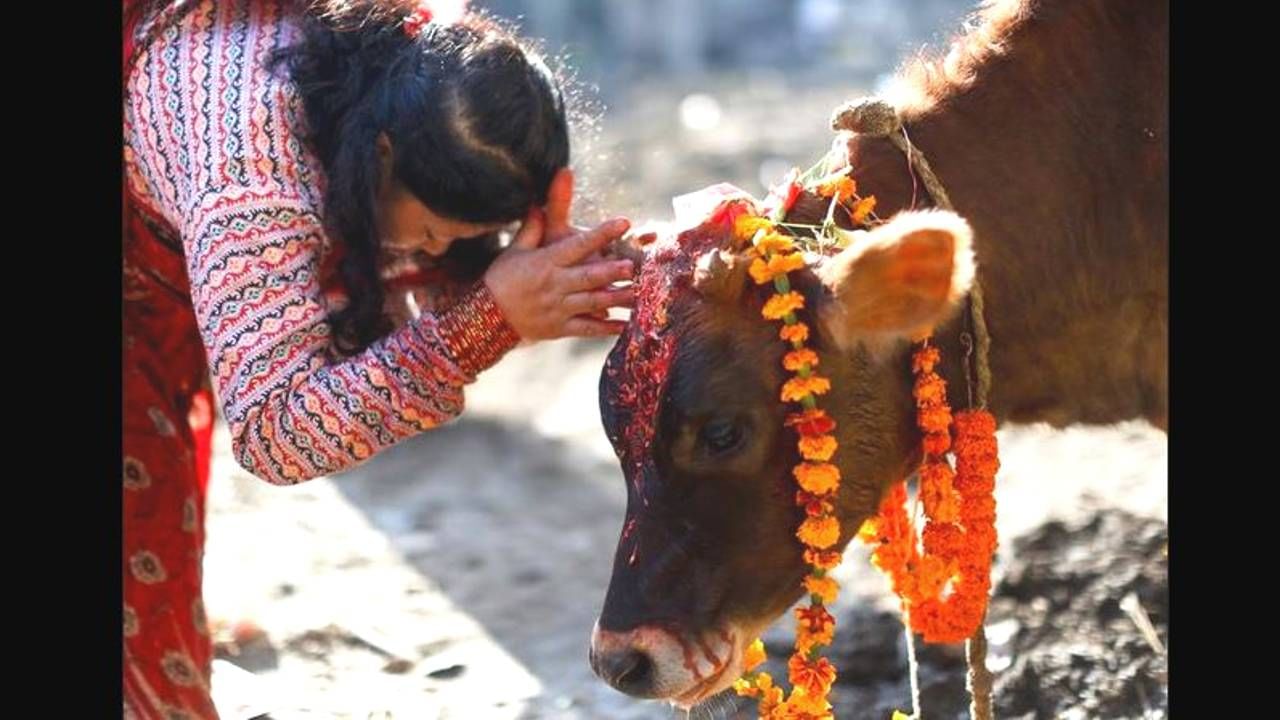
690 400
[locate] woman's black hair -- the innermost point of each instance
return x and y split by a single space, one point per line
477 124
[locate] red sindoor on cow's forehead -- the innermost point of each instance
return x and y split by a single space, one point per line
647 349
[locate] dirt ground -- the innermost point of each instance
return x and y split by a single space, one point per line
1067 639
458 574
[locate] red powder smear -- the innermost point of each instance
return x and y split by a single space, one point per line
640 365
709 655
690 663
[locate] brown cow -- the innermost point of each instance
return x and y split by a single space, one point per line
1048 125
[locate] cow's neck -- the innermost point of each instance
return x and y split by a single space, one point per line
1056 156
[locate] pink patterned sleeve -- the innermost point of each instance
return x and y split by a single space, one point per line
209 138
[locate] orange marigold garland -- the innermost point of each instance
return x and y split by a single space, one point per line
774 256
941 573
944 584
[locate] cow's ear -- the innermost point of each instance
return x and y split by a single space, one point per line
899 280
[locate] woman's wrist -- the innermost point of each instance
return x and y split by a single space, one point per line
474 331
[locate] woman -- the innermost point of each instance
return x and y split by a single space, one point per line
290 170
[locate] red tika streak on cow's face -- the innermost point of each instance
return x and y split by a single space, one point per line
636 372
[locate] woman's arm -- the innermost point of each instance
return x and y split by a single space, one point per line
294 411
211 145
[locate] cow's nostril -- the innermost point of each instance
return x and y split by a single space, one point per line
637 676
630 671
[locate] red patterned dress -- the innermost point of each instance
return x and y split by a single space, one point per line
225 278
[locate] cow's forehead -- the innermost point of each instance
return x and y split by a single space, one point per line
639 367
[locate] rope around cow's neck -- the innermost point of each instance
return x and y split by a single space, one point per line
874 117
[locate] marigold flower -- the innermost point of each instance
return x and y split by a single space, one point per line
817 478
936 443
931 574
934 419
839 185
822 559
772 243
980 540
797 359
745 227
869 532
976 446
814 506
936 472
925 359
819 532
940 500
943 540
824 587
940 505
796 388
930 389
764 271
745 688
794 333
779 305
771 701
978 509
952 621
819 448
975 458
806 640
815 676
863 208
753 656
981 482
979 423
802 706
811 422
815 619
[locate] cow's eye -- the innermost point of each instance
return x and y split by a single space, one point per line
721 436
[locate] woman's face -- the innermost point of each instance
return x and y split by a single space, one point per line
409 227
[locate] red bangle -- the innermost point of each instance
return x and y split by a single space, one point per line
475 332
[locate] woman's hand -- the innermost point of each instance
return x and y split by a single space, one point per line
559 289
559 225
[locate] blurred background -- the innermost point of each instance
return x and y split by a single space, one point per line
458 575
677 94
